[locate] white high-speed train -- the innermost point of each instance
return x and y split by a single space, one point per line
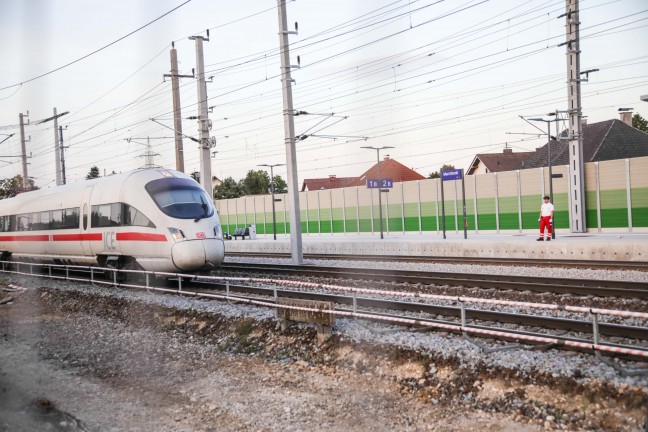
153 219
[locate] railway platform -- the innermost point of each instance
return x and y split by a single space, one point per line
567 246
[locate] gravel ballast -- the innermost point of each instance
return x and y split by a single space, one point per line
180 363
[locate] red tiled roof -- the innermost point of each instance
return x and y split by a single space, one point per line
326 183
389 168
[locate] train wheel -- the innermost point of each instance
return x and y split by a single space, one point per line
133 278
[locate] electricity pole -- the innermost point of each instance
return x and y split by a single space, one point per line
177 115
576 163
23 149
63 181
57 151
289 131
204 124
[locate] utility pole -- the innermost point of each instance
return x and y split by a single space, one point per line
63 181
177 115
57 151
204 124
289 131
576 163
23 148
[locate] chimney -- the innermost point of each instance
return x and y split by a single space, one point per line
386 158
332 177
508 151
583 121
626 117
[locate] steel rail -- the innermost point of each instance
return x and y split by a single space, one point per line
580 326
183 282
602 288
528 262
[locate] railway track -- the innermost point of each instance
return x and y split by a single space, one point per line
583 287
524 262
563 332
367 303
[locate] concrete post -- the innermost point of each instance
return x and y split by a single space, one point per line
289 130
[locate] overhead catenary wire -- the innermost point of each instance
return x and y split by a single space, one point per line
354 108
95 51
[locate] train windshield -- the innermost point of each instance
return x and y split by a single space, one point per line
181 198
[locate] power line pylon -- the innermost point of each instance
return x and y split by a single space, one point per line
177 115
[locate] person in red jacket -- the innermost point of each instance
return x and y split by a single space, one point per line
546 219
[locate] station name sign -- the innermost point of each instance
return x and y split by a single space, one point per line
454 174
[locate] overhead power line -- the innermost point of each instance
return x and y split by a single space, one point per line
97 50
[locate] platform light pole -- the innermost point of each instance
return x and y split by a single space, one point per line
272 190
379 188
553 231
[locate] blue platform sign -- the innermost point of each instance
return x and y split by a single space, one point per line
453 174
385 183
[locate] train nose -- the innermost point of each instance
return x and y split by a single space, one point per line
190 255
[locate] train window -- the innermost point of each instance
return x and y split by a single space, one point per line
13 223
85 216
23 222
106 215
180 198
4 223
71 218
40 221
134 217
56 219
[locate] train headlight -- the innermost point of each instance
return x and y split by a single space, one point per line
218 232
176 233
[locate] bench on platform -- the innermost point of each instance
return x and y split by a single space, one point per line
241 232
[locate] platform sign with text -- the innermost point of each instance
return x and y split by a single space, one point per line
447 175
385 183
453 174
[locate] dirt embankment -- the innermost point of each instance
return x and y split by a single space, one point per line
108 363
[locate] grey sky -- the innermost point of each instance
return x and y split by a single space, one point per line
440 82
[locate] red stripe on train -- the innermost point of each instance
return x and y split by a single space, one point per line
77 237
137 236
127 236
25 238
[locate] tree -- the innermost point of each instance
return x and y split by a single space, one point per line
280 186
229 188
13 186
640 122
256 182
93 173
437 174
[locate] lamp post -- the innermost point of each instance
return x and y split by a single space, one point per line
274 219
553 231
379 188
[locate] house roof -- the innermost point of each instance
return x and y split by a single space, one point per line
496 162
389 168
606 140
331 182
